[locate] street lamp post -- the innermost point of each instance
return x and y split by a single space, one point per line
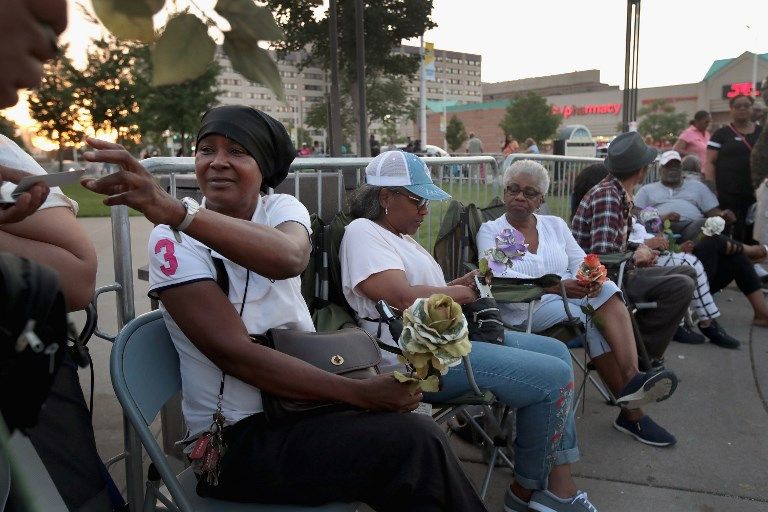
631 62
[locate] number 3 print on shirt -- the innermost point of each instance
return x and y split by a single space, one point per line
166 246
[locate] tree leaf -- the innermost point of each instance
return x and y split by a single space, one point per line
183 52
252 62
112 13
250 20
138 7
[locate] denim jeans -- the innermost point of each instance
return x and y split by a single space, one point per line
532 374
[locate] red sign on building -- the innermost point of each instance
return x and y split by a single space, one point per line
587 110
745 88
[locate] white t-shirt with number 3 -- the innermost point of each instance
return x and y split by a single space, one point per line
268 304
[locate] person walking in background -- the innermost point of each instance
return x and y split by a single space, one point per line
475 147
317 150
727 163
374 145
510 146
693 140
531 147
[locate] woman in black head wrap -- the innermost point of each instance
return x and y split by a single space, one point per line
259 245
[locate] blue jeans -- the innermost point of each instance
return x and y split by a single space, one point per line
532 374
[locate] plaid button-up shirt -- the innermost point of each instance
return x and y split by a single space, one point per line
602 218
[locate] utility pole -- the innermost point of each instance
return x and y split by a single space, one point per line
334 103
360 61
631 56
423 98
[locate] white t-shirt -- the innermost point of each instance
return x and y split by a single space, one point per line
11 155
558 253
368 249
277 304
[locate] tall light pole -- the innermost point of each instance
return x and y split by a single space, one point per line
360 61
334 102
631 62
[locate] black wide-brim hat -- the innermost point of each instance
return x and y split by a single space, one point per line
628 153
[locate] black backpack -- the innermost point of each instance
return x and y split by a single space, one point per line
33 334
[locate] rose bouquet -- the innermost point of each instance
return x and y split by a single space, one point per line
434 338
713 226
591 270
510 247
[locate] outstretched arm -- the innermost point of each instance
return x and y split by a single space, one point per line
273 253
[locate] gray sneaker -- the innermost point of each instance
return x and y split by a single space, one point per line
545 501
512 503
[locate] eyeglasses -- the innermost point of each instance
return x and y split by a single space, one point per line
421 202
528 192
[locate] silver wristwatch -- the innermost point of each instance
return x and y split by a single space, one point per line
192 208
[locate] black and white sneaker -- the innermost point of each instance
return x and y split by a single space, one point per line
684 334
647 387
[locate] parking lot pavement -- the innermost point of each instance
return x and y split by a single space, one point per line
719 415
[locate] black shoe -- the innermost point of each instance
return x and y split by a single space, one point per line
718 336
687 336
646 431
647 387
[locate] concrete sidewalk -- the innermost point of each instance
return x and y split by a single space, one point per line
719 415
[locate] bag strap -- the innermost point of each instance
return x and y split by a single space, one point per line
739 134
222 279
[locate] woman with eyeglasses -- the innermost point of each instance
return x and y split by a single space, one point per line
610 340
727 163
381 260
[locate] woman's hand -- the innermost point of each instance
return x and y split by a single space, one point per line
659 242
133 185
27 203
576 290
384 393
687 246
465 294
467 279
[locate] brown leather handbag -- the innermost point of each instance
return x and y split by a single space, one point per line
350 352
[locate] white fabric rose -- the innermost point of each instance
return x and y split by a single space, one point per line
713 226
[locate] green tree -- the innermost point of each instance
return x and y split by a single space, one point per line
530 116
317 117
111 86
455 133
8 128
386 25
177 108
54 105
660 121
387 100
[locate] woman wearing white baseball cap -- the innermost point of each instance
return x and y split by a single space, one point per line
533 374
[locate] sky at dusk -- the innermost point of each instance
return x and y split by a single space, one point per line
679 39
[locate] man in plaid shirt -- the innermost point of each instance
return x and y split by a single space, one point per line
601 225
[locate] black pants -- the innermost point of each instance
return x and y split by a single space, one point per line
392 462
739 204
672 289
722 268
63 438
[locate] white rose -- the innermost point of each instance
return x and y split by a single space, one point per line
713 226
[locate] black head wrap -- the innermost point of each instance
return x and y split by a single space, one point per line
263 137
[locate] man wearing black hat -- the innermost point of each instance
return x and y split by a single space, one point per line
601 226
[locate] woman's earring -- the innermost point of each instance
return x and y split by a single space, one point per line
386 211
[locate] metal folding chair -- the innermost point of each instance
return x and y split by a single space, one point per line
144 366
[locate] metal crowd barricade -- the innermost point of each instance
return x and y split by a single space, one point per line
309 180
